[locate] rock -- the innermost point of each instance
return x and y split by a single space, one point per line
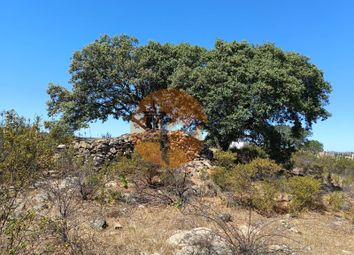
298 171
245 230
102 150
199 241
225 217
130 198
275 249
40 201
113 150
99 223
282 203
117 226
61 146
330 187
156 181
294 230
67 183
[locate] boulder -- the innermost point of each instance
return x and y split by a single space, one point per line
99 223
225 217
199 241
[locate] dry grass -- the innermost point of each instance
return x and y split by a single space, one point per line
146 229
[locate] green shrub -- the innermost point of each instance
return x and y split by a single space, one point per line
25 154
222 177
336 200
243 181
263 199
89 180
323 165
312 146
249 153
311 163
128 168
303 190
263 168
225 159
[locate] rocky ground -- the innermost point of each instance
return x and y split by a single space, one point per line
127 223
133 228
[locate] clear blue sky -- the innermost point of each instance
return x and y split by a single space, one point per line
39 37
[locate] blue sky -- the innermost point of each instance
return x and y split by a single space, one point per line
39 37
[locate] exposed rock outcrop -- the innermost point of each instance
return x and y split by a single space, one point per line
199 241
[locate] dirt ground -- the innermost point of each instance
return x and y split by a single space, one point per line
145 229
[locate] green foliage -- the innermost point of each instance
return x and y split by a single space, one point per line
303 190
222 177
264 168
336 200
25 154
17 233
312 146
240 177
256 185
123 180
127 71
24 149
225 159
90 182
253 184
249 153
247 91
321 166
264 199
129 168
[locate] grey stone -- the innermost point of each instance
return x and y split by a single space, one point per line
275 248
99 223
199 241
225 217
61 146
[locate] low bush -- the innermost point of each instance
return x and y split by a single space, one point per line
253 184
128 169
222 177
303 191
226 159
263 199
249 153
26 153
323 165
311 163
336 200
264 168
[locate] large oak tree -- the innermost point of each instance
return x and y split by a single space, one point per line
255 92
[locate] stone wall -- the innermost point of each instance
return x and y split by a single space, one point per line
105 149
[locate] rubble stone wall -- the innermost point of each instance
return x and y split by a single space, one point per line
104 149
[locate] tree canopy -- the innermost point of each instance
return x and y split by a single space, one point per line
247 91
113 74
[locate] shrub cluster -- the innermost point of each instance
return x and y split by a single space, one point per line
25 154
258 183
